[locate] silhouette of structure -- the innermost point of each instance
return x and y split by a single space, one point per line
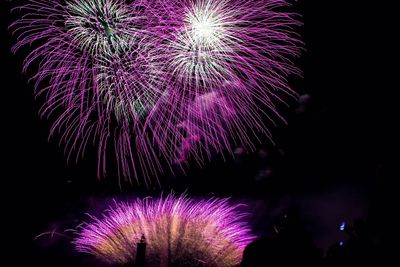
141 252
290 244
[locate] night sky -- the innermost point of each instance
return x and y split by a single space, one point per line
332 161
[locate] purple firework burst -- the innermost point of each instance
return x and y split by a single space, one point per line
157 82
225 65
93 72
178 231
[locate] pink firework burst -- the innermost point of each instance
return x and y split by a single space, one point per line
178 231
226 64
157 82
93 73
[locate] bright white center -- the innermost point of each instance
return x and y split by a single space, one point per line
204 26
204 29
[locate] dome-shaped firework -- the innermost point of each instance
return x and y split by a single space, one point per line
157 82
178 231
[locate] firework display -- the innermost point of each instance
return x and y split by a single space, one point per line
154 82
178 231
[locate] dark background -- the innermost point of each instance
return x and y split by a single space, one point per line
332 162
